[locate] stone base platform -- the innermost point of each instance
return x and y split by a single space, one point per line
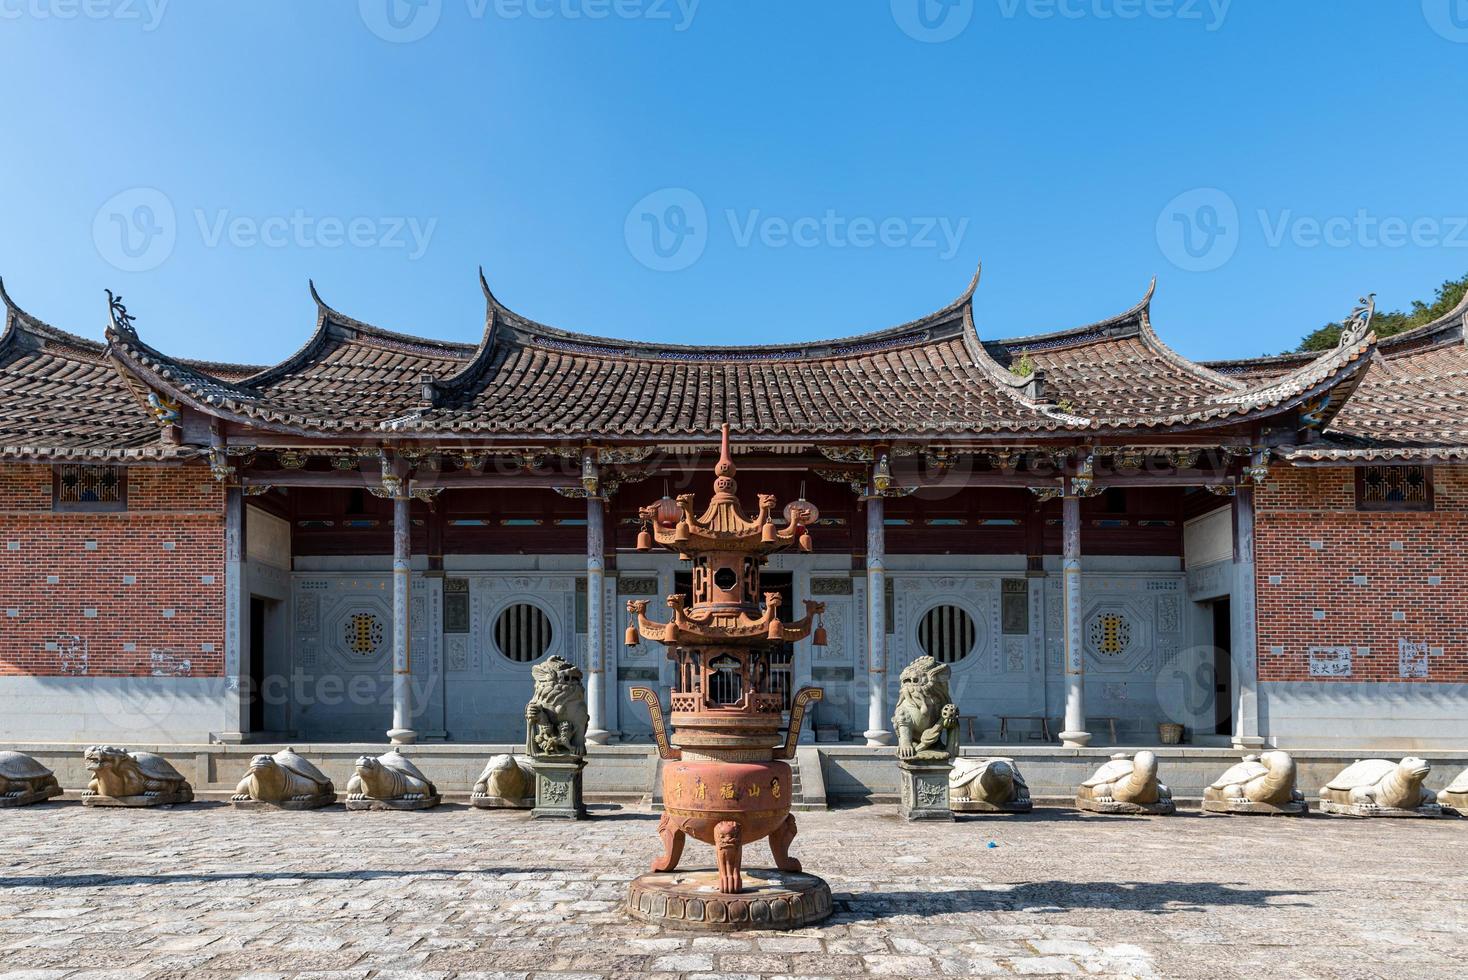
500 802
427 803
307 803
1430 810
1162 808
1239 807
692 900
26 799
980 806
150 799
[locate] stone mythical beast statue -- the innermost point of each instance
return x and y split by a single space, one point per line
926 721
556 717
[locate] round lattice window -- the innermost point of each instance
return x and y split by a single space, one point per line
1111 634
522 633
947 634
362 633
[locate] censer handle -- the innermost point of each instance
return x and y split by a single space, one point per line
649 697
803 697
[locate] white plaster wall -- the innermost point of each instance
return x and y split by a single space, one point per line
1385 716
114 709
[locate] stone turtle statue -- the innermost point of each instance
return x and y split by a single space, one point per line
1126 785
506 783
1259 784
284 780
390 782
988 786
123 778
1455 797
1381 788
556 716
24 781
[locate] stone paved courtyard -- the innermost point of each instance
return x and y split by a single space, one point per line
202 891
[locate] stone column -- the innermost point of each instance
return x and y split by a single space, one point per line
877 732
236 694
1244 657
1075 735
596 733
402 732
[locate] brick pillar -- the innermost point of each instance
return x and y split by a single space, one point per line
1075 734
877 732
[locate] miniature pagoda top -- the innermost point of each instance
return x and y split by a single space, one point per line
724 526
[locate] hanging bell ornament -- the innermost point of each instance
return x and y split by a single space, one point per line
776 630
681 535
644 539
631 639
820 637
805 543
767 533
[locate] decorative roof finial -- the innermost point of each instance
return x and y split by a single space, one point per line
1358 324
122 320
724 470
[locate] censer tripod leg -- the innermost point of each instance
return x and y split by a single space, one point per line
780 839
729 849
673 839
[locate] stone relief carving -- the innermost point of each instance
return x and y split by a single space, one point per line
1168 614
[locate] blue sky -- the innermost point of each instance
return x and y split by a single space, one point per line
741 170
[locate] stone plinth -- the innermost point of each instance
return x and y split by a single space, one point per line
558 788
1299 808
308 803
484 801
924 787
1162 808
692 900
1372 810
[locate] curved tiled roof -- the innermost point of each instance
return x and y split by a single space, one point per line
931 376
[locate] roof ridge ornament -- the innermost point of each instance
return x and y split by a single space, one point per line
122 320
1358 325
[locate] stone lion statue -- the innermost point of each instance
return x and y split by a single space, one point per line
556 717
926 721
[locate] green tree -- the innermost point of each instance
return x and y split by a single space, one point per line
1449 295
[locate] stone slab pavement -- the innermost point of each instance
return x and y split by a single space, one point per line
202 891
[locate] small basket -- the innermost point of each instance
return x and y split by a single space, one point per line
1170 733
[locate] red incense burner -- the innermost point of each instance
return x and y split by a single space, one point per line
725 781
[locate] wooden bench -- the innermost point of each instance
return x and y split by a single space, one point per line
1004 721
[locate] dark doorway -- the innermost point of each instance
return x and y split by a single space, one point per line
781 679
257 664
1223 699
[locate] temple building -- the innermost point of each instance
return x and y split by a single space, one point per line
379 536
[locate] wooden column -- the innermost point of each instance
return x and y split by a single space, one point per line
1075 734
877 732
596 732
402 732
1243 629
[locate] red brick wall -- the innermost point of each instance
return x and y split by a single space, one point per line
1397 552
93 619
